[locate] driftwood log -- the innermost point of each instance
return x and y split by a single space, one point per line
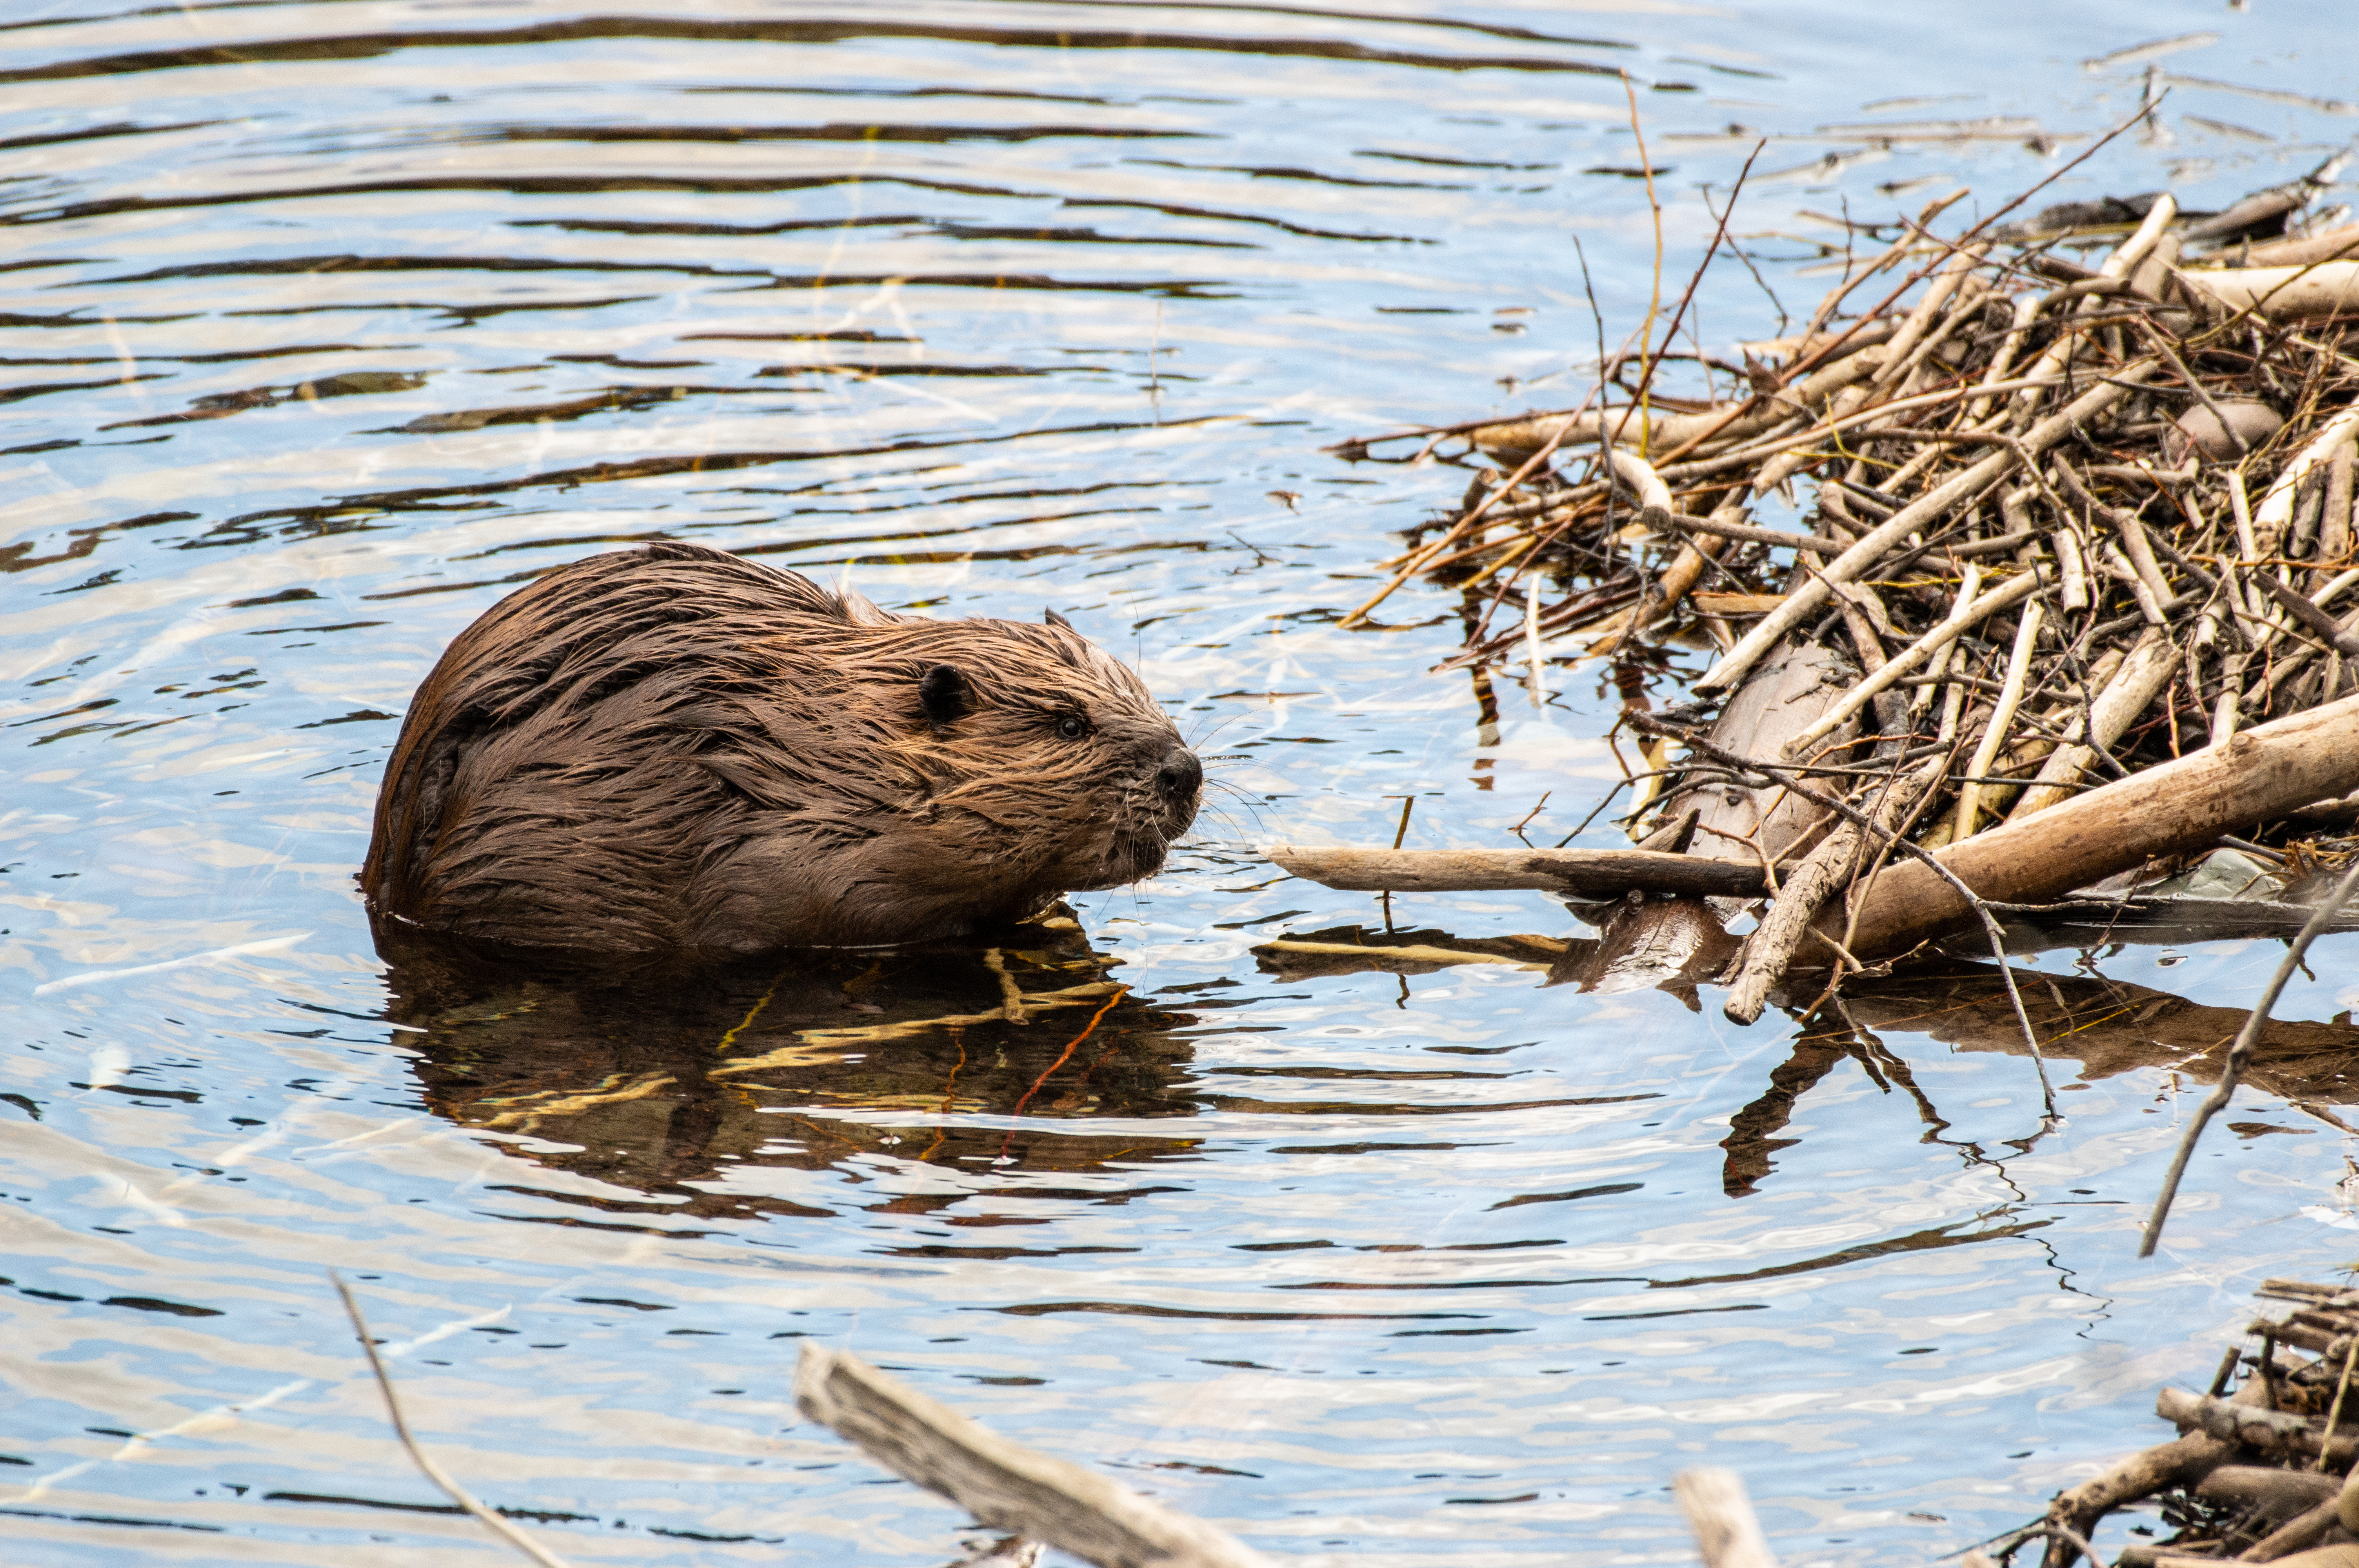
2186 805
1793 690
2284 293
2264 1430
1728 1534
1003 1485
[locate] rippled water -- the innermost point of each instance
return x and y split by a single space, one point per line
329 323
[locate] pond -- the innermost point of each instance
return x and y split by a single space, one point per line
329 324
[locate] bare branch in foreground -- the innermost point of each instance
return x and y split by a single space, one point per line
1003 1485
1722 1516
419 1457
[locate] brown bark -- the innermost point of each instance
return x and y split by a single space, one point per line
2165 810
2260 1486
2292 1535
2270 1432
2141 1475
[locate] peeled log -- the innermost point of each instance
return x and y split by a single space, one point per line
1591 873
2284 293
1793 687
1727 1533
2331 245
2278 1432
2180 805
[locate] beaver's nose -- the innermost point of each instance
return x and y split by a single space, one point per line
1181 775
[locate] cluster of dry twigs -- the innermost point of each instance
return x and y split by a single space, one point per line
2080 502
2258 1476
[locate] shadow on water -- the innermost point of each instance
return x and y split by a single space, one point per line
991 1056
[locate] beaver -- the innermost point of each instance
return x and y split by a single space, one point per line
675 749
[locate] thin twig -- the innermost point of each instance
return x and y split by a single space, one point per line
419 1457
2241 1053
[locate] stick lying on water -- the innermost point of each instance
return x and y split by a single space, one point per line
1004 1484
2257 774
2168 809
1595 873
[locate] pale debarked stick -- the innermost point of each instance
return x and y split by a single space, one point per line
2283 293
2151 662
2275 510
2002 719
2011 592
1727 1533
2116 267
1595 873
1654 507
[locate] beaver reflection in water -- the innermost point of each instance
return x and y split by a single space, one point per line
675 749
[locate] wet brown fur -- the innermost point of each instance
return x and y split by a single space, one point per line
676 749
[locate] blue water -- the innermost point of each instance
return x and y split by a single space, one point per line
328 324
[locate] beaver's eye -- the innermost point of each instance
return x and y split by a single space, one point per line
1072 727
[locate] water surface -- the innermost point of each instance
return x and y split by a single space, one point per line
328 324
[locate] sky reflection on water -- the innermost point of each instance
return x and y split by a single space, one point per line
330 323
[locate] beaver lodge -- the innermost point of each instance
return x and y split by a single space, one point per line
2014 594
2073 606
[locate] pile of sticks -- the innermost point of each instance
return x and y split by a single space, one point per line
2263 1475
2079 504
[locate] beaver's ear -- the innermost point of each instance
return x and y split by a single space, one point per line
944 693
1053 618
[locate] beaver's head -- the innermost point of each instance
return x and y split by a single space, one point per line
922 778
1039 748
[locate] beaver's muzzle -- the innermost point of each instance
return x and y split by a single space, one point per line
1180 778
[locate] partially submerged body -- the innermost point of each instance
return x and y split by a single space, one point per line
674 748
